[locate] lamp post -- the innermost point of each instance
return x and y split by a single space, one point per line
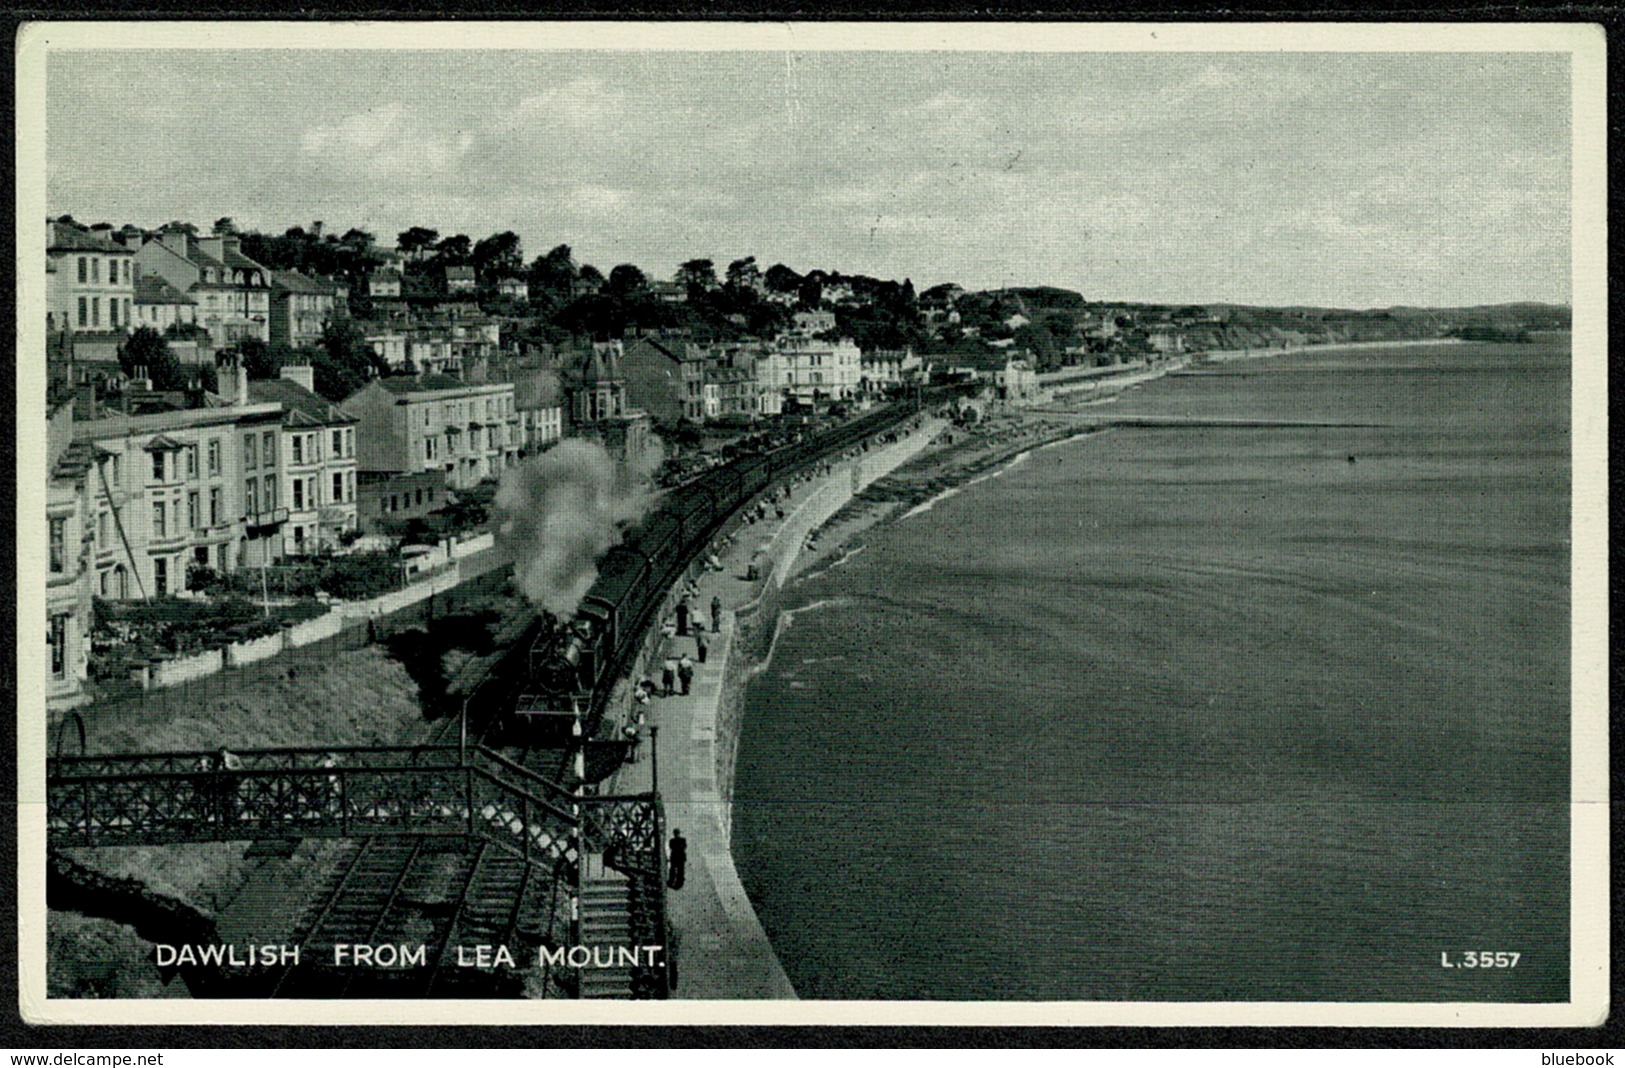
654 758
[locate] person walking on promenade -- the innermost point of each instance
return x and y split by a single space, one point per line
716 615
677 862
668 676
699 645
685 673
630 732
682 618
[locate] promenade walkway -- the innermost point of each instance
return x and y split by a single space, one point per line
723 952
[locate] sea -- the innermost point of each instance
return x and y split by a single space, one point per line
1194 712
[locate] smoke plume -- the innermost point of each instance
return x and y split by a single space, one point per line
558 512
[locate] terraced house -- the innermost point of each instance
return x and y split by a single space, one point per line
470 431
69 563
233 292
312 470
165 492
300 308
90 281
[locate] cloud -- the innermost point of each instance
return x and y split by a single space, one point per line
580 104
385 144
363 131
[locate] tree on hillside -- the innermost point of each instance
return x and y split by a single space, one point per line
497 255
554 272
781 279
225 225
416 239
743 272
455 251
344 361
257 358
147 353
626 279
591 275
697 274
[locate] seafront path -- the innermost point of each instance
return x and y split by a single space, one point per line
723 952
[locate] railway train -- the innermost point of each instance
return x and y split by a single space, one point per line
570 666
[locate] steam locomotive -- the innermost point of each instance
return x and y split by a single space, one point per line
571 665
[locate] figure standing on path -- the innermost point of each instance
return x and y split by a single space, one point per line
716 615
668 676
677 864
630 731
699 644
682 618
685 673
225 784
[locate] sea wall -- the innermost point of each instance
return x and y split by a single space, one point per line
756 621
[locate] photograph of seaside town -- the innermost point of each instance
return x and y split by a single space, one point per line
780 523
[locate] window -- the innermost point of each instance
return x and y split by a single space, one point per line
394 503
250 449
214 507
84 309
128 264
160 575
58 639
298 449
160 518
127 320
191 461
338 487
95 310
82 270
105 578
429 445
112 312
214 456
101 530
268 447
59 550
95 271
338 443
157 467
420 496
251 496
489 409
313 445
192 510
298 493
270 493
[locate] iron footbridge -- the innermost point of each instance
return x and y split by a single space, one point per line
415 795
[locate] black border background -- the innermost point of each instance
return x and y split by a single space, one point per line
15 1033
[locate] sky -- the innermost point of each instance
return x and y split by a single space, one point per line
1349 180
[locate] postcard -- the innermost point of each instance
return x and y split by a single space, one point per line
824 523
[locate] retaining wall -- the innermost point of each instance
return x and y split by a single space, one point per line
475 557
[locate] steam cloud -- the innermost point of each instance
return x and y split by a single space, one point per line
557 513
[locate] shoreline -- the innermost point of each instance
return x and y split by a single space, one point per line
1230 355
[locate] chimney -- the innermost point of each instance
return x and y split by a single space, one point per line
212 247
236 390
302 373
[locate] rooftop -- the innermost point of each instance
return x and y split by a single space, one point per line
152 289
303 407
66 237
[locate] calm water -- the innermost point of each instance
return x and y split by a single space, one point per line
1189 713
